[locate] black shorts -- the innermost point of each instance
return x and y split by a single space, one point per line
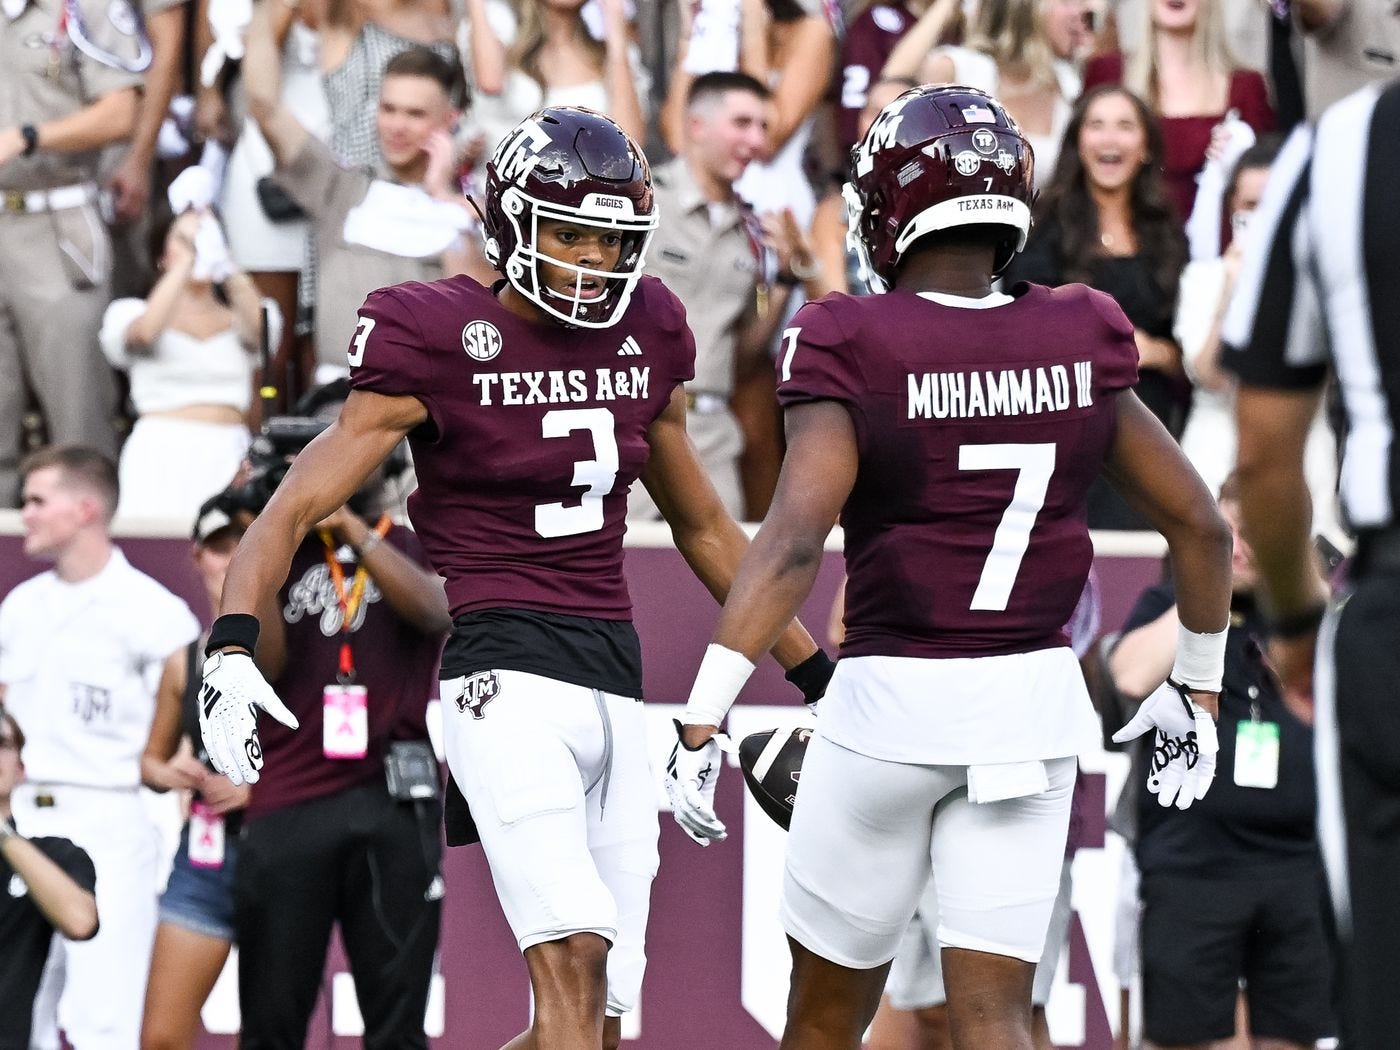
1202 937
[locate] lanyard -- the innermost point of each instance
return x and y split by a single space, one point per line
349 602
71 24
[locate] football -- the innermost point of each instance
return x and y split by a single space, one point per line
772 764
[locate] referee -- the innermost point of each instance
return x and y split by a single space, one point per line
1320 291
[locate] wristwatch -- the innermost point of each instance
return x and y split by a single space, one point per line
30 134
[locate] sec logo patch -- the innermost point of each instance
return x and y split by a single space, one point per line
481 340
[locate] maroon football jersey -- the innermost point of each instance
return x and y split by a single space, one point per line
536 432
979 432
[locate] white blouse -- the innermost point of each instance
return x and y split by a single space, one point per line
180 370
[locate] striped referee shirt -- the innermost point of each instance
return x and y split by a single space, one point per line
1320 286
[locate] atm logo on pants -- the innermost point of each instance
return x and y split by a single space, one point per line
478 691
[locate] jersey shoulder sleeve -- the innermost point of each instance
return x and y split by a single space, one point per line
666 314
1115 344
389 353
815 360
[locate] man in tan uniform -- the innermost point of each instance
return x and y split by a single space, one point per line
128 169
370 232
69 85
712 251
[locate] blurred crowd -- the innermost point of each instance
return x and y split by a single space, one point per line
198 195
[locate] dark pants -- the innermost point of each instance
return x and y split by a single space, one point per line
1367 661
1202 936
358 858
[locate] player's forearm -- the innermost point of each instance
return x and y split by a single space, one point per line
70 908
260 563
776 576
110 119
716 555
1200 551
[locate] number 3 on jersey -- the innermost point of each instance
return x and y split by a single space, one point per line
357 344
1033 465
553 520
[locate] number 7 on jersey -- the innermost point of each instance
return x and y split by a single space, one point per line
1033 465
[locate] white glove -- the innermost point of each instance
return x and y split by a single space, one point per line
229 699
1183 756
690 784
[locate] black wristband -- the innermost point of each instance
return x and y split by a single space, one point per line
811 676
1299 624
30 134
239 629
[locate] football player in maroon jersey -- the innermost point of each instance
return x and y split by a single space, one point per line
955 431
530 408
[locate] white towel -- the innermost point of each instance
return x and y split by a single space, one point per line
405 221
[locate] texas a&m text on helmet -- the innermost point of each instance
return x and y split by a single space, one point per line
934 159
574 165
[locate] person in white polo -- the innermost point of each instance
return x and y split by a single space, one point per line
83 647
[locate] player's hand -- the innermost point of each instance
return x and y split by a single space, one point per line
1182 764
233 691
691 775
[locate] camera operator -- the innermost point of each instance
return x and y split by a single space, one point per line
327 836
48 885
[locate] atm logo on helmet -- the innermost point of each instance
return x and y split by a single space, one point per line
882 135
519 151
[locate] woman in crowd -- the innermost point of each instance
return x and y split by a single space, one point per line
1104 220
1183 68
188 348
196 910
1008 55
549 56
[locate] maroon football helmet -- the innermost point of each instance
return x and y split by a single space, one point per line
936 158
575 165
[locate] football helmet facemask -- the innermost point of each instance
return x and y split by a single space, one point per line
576 166
936 158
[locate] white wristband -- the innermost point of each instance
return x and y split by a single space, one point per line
1200 659
722 674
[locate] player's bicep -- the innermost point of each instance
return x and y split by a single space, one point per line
1149 470
819 467
340 459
